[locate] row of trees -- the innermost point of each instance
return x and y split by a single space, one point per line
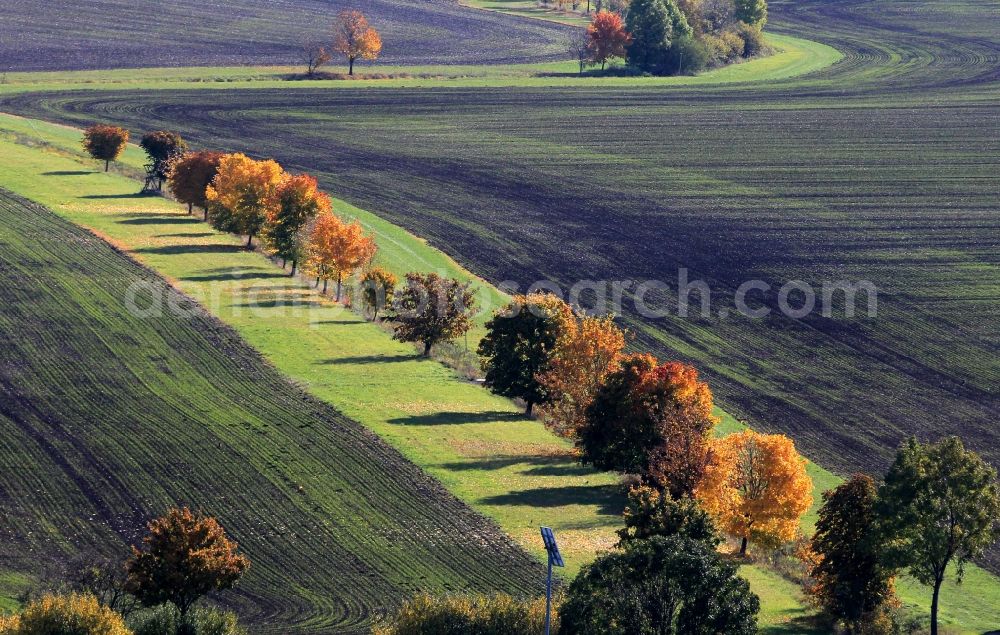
184 557
669 37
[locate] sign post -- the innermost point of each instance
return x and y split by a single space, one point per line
555 559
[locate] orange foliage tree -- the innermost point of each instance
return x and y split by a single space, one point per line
105 143
607 37
338 249
586 351
243 194
298 200
757 487
652 420
185 556
354 38
190 175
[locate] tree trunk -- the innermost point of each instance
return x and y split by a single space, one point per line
427 349
190 208
324 287
531 406
250 241
206 213
107 165
339 277
294 265
934 605
743 547
350 65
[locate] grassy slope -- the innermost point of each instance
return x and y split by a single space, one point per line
506 467
109 417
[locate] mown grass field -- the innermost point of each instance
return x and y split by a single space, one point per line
477 445
879 168
82 34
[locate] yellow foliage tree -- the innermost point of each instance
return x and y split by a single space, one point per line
72 614
756 487
354 38
338 249
586 351
243 194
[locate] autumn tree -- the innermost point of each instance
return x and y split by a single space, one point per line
660 586
243 194
650 512
586 351
654 26
652 420
315 54
939 505
518 345
185 556
433 309
72 614
752 12
354 38
607 38
105 143
162 147
338 249
298 200
190 175
850 580
378 288
756 487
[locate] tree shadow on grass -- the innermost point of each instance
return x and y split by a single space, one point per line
539 465
451 418
170 250
69 173
186 235
115 196
165 219
234 275
803 624
608 498
370 359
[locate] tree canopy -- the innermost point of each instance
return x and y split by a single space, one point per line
433 309
105 143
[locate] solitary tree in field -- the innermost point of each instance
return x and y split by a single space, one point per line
338 249
354 38
162 147
607 38
105 143
190 175
378 288
519 343
652 420
757 487
587 350
315 55
939 505
299 200
752 12
433 309
243 194
185 556
850 580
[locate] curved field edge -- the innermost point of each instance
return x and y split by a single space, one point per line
795 57
110 416
476 444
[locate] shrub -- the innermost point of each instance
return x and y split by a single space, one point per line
166 620
724 48
72 614
459 615
753 40
687 56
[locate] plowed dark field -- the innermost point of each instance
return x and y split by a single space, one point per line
109 418
91 34
881 168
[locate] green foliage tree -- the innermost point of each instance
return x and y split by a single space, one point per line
162 147
184 557
432 309
650 512
939 505
752 12
660 586
518 346
850 581
105 143
653 25
461 615
378 289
